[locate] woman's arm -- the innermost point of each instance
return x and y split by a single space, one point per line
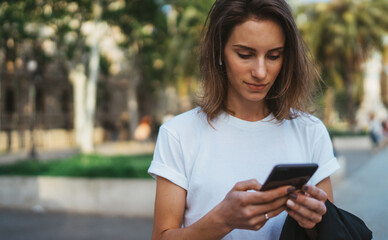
325 185
170 204
239 209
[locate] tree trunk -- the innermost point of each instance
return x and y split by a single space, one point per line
329 106
21 125
351 112
1 65
85 92
78 79
132 103
85 89
87 145
31 100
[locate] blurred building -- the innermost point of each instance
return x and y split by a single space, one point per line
44 100
372 103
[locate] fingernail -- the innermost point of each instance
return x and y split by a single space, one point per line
293 196
291 189
305 188
290 203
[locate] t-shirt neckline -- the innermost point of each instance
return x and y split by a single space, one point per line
250 125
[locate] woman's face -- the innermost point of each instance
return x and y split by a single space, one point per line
253 57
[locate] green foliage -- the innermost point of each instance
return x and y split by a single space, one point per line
345 133
104 65
342 34
89 166
163 49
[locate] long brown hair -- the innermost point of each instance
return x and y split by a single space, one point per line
294 86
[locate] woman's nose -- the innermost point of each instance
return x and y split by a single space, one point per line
259 70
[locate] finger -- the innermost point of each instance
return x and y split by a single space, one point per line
257 222
251 184
276 212
270 195
304 212
309 202
260 209
303 222
315 192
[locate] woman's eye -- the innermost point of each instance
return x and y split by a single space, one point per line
243 56
273 57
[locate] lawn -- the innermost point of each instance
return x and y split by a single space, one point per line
346 133
89 166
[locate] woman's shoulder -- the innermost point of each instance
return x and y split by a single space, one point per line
308 121
308 127
306 118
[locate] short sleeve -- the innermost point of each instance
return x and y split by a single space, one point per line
323 155
168 160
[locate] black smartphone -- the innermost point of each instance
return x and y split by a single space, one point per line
289 174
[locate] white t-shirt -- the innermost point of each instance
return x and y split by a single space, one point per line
207 162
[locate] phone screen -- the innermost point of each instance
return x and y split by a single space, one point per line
296 175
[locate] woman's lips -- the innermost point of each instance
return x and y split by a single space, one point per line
256 87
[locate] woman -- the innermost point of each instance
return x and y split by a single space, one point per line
210 162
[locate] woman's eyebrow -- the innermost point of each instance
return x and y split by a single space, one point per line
244 47
276 49
254 50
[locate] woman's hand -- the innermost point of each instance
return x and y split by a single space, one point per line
307 208
246 209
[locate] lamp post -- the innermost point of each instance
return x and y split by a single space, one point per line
32 66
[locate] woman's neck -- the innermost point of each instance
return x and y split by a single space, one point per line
248 112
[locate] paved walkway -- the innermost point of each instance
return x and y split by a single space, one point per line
365 194
361 189
42 155
25 225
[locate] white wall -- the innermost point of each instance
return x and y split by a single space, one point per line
133 198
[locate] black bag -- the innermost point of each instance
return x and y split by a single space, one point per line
336 224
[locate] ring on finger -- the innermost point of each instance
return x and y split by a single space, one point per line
266 216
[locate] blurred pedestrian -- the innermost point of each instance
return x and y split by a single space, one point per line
384 125
143 131
376 132
210 162
385 128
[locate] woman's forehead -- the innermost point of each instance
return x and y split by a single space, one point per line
258 34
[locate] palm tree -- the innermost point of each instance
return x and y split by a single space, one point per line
342 34
185 20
